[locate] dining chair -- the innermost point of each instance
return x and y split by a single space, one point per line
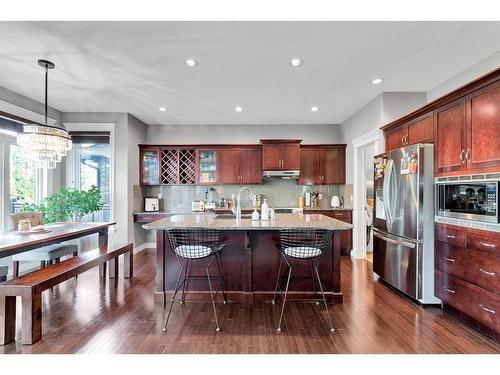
302 247
45 255
196 248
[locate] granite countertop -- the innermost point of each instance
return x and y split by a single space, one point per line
188 210
282 221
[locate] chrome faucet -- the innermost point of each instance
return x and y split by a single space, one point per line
237 210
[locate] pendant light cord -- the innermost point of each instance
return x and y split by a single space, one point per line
46 89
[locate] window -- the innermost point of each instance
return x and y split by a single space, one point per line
91 165
22 179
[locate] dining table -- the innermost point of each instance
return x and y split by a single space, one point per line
14 242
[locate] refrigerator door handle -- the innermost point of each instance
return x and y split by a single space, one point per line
395 241
386 189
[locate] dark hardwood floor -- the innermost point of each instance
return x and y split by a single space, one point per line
88 316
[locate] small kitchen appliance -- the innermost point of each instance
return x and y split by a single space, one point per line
197 206
337 202
151 204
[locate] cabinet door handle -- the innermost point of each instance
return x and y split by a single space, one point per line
403 140
487 272
449 290
406 139
491 311
467 154
450 236
449 259
462 156
487 244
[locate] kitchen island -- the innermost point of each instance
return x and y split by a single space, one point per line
250 259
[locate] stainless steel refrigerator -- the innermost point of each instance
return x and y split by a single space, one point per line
403 225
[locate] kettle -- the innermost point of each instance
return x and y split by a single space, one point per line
337 202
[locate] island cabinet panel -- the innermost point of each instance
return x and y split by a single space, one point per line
345 235
450 145
483 128
280 154
322 164
467 270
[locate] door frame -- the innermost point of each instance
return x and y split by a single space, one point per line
375 137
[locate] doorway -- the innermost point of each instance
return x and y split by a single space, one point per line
365 148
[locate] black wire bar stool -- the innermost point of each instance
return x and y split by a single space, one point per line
196 245
305 245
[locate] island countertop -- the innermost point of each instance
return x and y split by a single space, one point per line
226 222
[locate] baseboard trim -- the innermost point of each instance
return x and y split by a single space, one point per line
144 246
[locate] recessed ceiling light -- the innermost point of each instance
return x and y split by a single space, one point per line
377 81
296 62
191 63
162 109
238 109
314 108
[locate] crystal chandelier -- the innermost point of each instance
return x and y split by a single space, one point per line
45 144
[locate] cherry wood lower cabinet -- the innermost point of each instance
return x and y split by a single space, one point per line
345 235
467 275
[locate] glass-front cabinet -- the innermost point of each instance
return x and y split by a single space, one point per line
207 167
150 166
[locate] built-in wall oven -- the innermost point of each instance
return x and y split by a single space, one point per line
468 200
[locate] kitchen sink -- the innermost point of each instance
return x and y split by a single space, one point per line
231 216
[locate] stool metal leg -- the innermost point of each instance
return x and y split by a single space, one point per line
212 297
277 281
313 279
186 280
224 300
286 293
177 287
324 300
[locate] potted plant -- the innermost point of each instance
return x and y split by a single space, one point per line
68 205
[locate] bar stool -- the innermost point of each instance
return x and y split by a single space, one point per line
302 245
3 273
196 245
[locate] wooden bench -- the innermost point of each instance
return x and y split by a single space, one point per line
30 287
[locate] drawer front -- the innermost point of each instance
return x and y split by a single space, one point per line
485 242
339 215
480 269
445 233
470 299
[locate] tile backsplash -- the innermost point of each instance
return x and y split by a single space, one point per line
279 193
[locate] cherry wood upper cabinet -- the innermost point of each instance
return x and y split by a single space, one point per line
333 165
239 165
395 138
449 132
280 154
250 165
310 166
483 128
149 165
322 164
421 130
228 166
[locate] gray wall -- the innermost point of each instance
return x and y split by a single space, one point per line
490 63
28 103
246 134
383 109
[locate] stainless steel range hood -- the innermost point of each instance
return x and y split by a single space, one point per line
285 175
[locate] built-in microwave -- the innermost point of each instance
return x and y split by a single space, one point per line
469 200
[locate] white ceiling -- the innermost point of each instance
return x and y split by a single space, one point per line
137 67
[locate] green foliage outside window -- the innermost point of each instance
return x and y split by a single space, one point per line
22 176
68 205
